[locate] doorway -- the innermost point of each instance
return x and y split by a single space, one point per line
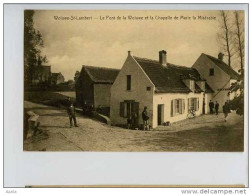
204 104
160 114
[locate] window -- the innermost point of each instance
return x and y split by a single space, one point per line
211 72
177 107
128 107
192 85
128 82
193 104
148 88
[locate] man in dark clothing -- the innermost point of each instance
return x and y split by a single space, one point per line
129 122
71 115
226 110
145 118
216 108
211 106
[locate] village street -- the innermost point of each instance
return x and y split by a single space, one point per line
203 133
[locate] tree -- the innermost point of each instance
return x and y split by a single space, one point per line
238 102
76 76
239 38
231 38
33 42
225 37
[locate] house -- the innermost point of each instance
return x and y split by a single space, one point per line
93 86
169 91
57 78
218 75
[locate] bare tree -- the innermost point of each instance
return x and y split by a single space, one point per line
225 36
239 37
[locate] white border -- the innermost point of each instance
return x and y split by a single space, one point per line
95 168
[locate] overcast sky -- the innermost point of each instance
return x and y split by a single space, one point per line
69 44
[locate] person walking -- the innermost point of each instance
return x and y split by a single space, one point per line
71 114
226 110
217 108
145 118
129 122
211 106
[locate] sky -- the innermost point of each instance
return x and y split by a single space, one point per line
103 41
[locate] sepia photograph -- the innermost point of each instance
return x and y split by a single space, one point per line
134 80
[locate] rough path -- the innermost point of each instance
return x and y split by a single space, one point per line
204 133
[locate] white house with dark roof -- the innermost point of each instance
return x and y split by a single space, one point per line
168 91
93 86
218 75
57 78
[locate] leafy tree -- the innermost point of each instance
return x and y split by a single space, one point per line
33 42
238 102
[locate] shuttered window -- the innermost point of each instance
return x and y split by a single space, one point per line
193 104
183 106
127 107
177 107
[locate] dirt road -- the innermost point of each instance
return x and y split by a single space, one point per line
204 133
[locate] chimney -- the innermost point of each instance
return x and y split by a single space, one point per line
129 53
220 56
162 58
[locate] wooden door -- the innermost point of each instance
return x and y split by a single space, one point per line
135 110
160 114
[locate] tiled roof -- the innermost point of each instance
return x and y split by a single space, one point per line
168 79
101 74
222 65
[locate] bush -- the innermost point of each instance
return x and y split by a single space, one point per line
237 104
47 98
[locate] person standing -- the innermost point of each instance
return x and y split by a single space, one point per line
129 122
217 108
226 110
210 106
71 114
145 118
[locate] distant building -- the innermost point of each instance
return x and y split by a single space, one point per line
93 86
218 75
57 78
168 91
